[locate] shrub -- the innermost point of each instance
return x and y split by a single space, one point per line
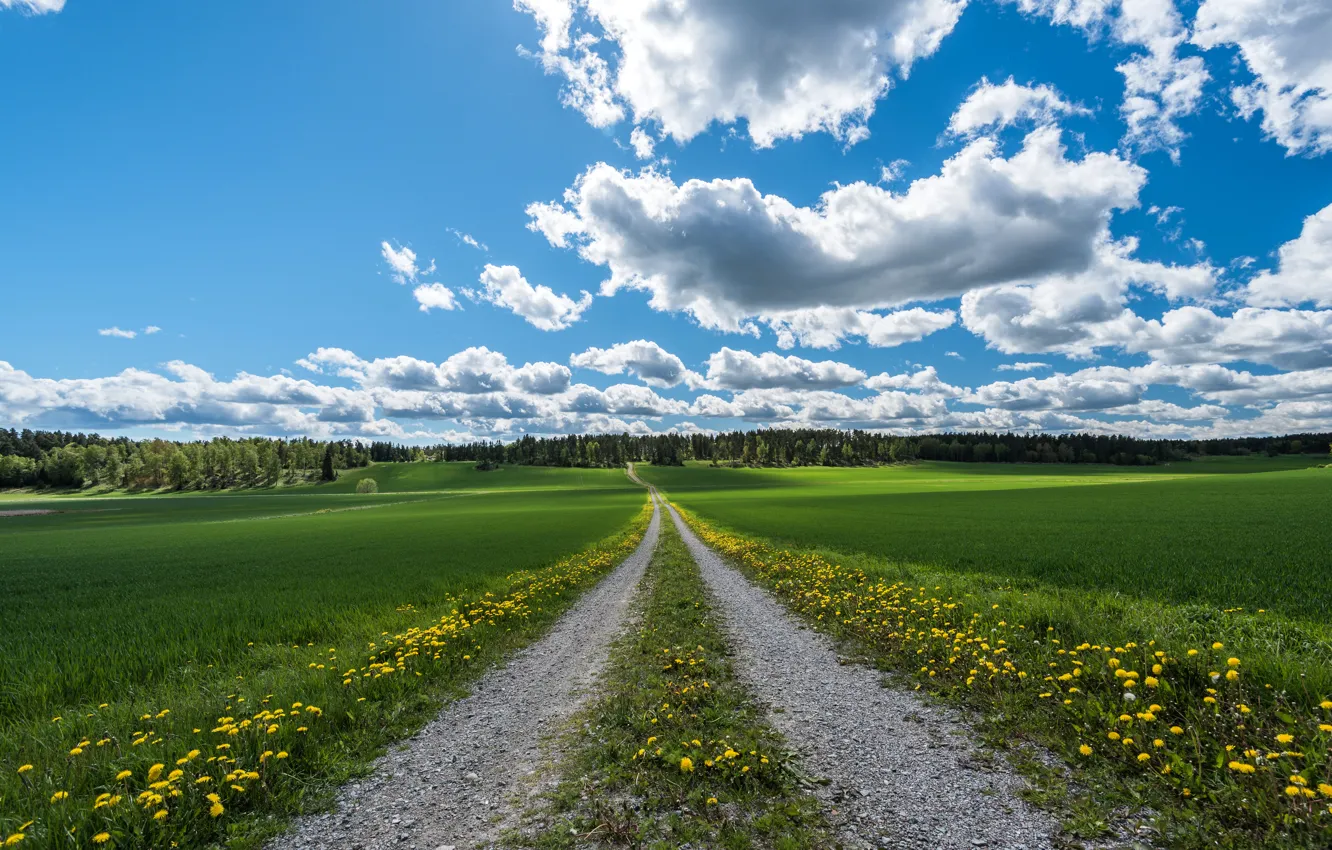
366 486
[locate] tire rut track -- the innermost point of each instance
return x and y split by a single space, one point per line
903 773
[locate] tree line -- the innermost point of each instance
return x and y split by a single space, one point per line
830 447
60 459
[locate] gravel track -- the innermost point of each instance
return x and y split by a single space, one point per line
466 776
902 773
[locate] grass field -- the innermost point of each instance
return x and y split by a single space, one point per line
139 603
1049 599
1243 532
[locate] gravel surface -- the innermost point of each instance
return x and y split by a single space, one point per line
468 774
902 773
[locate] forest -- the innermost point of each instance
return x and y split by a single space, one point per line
61 459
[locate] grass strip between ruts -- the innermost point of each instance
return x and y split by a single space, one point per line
674 751
230 764
1153 715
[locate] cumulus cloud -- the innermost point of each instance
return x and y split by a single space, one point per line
741 370
434 296
1160 85
827 327
645 360
785 69
1284 43
481 394
725 253
1082 392
622 400
642 143
924 381
1287 339
187 396
402 263
1304 270
1166 411
1077 314
474 370
117 332
540 306
993 107
151 329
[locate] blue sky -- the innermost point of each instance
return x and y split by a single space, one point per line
849 217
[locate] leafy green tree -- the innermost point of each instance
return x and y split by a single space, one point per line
367 486
179 470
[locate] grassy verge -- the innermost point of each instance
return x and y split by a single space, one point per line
228 761
675 753
1220 722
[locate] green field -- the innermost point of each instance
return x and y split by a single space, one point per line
131 620
115 597
1241 532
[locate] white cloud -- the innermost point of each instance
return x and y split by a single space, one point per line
151 329
1287 339
1227 386
541 378
642 143
740 370
117 332
482 394
402 263
925 381
434 296
1163 216
1284 43
645 360
893 171
1304 271
726 254
1086 391
785 69
34 7
1160 85
1165 411
469 240
475 370
189 397
540 306
1022 367
827 327
621 400
993 107
1077 314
